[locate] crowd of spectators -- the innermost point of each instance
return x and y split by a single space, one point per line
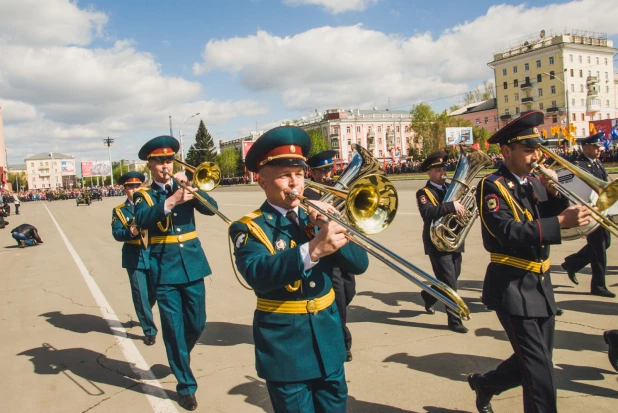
62 193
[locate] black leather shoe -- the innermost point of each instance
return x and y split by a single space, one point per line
429 310
188 402
559 311
571 274
611 339
483 401
458 328
150 340
603 292
348 355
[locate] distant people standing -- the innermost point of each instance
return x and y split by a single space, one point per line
26 235
16 202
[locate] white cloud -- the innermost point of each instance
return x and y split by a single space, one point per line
335 6
331 67
49 22
60 92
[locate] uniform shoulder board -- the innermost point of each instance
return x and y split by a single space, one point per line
493 177
119 206
250 216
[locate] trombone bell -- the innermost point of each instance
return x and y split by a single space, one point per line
206 176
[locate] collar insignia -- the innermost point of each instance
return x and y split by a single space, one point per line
511 185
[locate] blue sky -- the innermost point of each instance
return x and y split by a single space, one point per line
74 73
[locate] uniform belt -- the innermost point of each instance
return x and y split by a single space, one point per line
133 242
173 239
534 266
297 307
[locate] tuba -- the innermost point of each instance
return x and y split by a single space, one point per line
449 232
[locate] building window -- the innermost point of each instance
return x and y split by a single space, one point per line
540 105
571 58
581 88
572 102
516 96
551 75
579 58
539 77
496 118
607 117
606 76
379 141
583 117
358 129
606 61
581 73
597 60
607 103
516 83
572 87
505 85
581 102
526 66
551 60
478 120
397 129
503 72
486 120
606 89
347 129
574 118
540 92
407 129
589 73
336 130
380 152
538 63
506 111
369 128
554 119
553 104
506 98
571 71
584 131
588 59
514 69
517 110
553 90
379 128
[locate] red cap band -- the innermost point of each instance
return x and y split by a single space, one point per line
133 181
162 152
281 152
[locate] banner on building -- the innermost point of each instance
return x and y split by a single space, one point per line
68 167
96 168
455 136
245 148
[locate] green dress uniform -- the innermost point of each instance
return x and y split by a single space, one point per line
299 345
136 260
178 266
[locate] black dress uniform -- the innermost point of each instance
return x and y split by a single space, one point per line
599 240
518 224
446 265
344 282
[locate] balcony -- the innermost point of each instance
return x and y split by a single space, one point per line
593 105
591 80
506 117
527 100
371 135
334 141
526 85
44 173
390 138
553 109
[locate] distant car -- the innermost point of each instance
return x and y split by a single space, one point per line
96 194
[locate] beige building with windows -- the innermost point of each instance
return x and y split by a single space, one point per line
385 133
569 76
50 170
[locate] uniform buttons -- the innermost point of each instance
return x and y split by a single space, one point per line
177 229
175 214
542 278
181 245
312 284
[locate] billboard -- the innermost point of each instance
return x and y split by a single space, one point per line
455 136
96 168
68 167
246 145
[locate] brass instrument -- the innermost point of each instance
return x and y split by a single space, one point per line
369 206
607 192
449 232
206 177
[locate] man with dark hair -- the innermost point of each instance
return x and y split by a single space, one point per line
26 235
521 216
599 240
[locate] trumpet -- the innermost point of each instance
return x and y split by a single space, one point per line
370 205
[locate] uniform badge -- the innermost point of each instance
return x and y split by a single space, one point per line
492 202
240 240
280 244
510 184
114 219
423 199
138 200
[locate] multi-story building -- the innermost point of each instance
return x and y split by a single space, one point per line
50 170
386 133
136 166
569 76
237 144
481 114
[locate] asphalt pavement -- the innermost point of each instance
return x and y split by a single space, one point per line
71 341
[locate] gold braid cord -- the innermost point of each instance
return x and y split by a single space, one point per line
151 203
513 204
432 198
122 218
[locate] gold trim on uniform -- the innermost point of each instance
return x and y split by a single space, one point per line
534 266
296 307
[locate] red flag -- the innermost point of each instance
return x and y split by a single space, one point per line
486 145
476 146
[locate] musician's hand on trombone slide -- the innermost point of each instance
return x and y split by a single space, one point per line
331 236
574 216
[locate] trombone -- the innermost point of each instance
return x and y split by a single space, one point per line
206 177
607 191
370 206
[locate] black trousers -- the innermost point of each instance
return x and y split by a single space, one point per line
531 364
592 253
446 268
344 285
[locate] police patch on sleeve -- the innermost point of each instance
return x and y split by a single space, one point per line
114 219
138 199
492 203
240 240
423 199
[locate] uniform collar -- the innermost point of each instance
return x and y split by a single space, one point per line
440 187
283 211
162 186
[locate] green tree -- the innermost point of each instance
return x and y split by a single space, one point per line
204 148
228 161
240 166
430 127
18 180
481 135
318 143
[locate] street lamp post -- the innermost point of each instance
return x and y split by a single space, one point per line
182 148
109 142
566 92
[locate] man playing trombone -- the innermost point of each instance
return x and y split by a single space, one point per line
599 240
135 258
288 256
178 264
446 265
521 216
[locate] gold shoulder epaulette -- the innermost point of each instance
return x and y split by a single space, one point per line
120 206
250 216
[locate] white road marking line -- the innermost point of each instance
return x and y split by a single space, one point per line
150 385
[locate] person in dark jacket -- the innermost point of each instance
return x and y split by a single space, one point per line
446 265
26 235
520 217
599 240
